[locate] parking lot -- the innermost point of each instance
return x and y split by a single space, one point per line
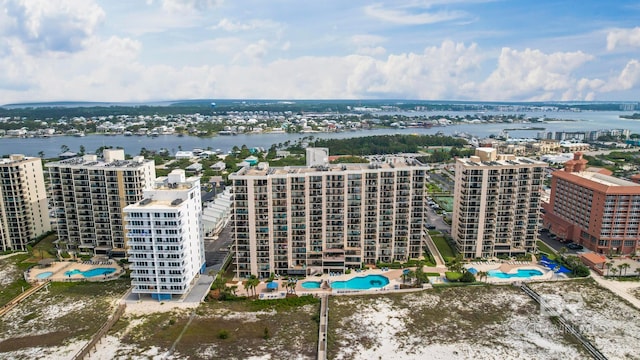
555 244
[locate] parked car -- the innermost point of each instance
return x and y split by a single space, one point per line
431 227
575 246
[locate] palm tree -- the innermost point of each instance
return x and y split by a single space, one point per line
563 250
608 265
638 271
482 274
624 267
252 283
41 154
614 271
620 269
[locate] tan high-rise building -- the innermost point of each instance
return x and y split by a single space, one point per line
89 195
593 208
496 204
326 218
23 202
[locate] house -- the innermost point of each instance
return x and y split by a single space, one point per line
219 166
180 155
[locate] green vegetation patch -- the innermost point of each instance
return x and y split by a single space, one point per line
544 248
231 330
448 254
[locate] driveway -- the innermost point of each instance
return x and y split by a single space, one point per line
555 244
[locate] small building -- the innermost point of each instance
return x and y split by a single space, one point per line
180 155
594 261
219 166
196 168
252 160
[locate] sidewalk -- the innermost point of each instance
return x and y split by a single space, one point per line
620 288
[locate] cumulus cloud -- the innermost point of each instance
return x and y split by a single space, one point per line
441 72
366 44
44 25
623 37
628 78
402 15
533 75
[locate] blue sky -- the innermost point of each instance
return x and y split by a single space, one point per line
141 50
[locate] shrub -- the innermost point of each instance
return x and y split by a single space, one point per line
467 277
223 334
453 275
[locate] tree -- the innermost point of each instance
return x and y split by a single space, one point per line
638 271
625 267
482 275
82 150
41 154
563 250
614 271
64 148
252 283
467 277
620 267
608 265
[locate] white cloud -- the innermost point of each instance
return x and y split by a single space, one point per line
405 17
439 73
628 78
257 50
623 37
189 5
250 25
533 75
371 50
44 25
368 44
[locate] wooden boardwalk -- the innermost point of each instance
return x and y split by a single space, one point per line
25 294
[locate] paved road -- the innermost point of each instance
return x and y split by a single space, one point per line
554 243
216 249
436 220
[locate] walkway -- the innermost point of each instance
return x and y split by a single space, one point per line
619 288
593 351
13 303
322 332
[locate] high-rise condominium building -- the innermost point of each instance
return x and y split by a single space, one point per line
496 204
166 243
593 208
326 218
23 202
89 195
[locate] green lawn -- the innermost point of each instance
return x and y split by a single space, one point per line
445 250
544 248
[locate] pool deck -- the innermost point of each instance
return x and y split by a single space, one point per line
394 276
511 267
58 268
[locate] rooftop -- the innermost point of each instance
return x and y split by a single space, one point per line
398 163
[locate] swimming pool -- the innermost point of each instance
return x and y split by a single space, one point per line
90 273
311 285
44 275
361 283
521 273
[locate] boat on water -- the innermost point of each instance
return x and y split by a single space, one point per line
79 134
